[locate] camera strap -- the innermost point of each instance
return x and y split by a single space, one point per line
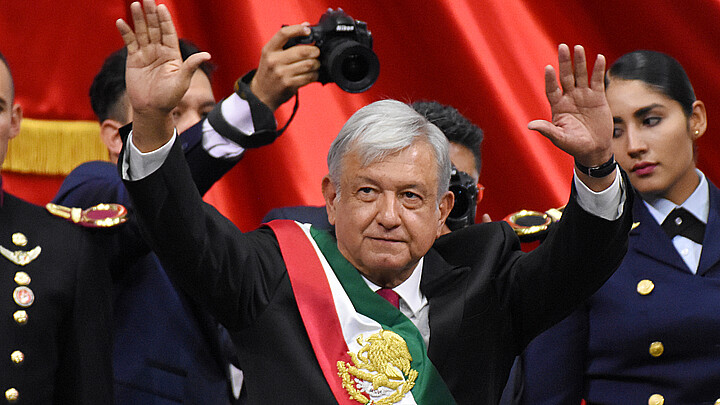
295 108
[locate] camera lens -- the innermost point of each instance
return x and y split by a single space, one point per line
351 65
462 202
354 68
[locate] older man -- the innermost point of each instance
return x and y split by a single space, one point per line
450 314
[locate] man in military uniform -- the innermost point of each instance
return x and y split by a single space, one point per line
55 291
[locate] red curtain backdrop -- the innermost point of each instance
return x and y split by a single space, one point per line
484 57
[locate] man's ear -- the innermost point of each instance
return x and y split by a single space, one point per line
15 120
330 193
446 204
110 136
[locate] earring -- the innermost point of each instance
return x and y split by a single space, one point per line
697 132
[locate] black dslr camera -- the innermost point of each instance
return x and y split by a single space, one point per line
346 55
466 195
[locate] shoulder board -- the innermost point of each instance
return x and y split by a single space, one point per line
99 216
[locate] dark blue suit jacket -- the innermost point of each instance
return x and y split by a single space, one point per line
166 350
602 351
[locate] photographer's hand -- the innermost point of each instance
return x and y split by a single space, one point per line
281 72
582 122
156 76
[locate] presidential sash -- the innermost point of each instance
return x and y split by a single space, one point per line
369 352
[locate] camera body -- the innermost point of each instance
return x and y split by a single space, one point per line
346 55
466 192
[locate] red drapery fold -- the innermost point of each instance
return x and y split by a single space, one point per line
484 57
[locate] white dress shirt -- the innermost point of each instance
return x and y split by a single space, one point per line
698 204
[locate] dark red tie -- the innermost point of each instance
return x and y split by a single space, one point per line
391 296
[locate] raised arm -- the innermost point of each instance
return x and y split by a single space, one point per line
581 119
156 76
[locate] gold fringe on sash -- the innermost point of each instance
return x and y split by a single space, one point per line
51 147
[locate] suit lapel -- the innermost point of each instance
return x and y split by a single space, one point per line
711 243
442 284
650 240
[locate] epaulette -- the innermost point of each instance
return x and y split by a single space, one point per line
98 216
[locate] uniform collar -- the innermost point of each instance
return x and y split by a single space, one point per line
697 204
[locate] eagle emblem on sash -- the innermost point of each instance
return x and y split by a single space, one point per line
380 372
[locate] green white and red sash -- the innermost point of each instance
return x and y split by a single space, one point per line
337 307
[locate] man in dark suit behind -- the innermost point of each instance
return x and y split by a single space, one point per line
300 303
167 349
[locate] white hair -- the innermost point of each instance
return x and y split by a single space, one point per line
383 128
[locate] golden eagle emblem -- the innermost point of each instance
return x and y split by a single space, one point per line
381 374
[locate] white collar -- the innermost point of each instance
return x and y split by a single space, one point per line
697 204
408 290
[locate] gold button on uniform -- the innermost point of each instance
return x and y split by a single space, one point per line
19 239
20 317
17 357
656 349
645 287
717 401
12 395
656 399
22 278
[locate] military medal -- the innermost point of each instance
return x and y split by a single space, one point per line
20 257
23 296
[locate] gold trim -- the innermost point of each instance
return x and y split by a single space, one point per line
529 230
20 257
98 216
53 147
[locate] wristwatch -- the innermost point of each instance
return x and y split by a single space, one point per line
598 171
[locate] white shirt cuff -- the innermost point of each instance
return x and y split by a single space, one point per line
607 204
137 165
236 112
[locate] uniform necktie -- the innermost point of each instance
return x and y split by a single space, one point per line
683 223
390 295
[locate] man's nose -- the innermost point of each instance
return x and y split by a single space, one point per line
388 214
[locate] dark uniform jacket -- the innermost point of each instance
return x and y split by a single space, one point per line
55 324
649 335
487 299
